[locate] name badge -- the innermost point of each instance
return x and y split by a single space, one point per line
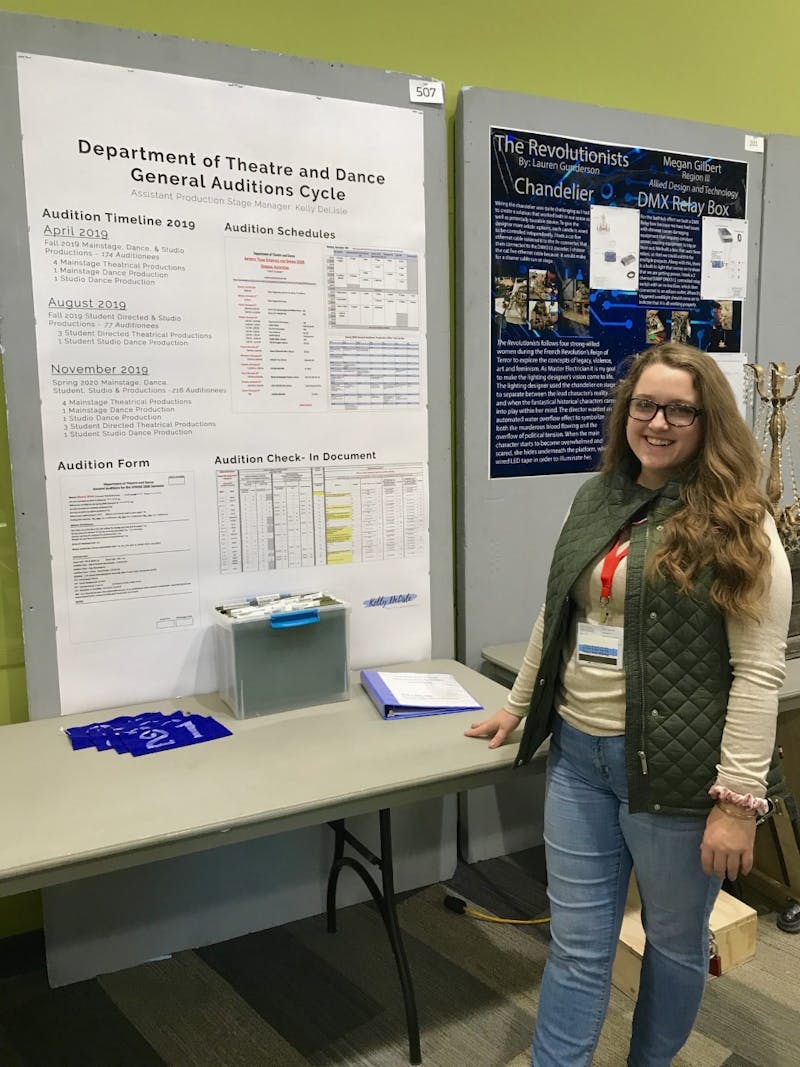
600 646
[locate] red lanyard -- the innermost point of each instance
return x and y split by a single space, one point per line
614 557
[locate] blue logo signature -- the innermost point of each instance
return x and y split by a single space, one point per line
392 601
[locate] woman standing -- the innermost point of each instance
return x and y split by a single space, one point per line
655 665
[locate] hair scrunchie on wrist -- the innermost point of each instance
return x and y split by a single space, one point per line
743 801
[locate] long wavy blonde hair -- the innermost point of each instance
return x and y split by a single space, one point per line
720 520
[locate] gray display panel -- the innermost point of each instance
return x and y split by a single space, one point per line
231 66
777 336
513 503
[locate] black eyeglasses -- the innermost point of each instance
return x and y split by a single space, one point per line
644 410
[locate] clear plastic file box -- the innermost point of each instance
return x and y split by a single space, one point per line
280 652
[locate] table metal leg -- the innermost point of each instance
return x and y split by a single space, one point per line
384 897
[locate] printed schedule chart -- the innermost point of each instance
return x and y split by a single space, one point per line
302 517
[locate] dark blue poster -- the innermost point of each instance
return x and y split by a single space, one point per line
599 251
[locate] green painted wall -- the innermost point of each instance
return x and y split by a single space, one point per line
729 62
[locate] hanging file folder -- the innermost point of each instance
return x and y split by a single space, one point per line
401 695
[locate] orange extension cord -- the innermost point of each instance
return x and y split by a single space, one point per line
460 907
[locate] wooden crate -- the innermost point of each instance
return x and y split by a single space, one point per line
733 927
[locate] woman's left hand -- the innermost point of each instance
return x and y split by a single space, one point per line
727 846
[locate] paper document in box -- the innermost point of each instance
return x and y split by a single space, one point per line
404 695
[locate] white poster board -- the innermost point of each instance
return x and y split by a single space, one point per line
229 294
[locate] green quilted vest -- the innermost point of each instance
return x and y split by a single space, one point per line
677 672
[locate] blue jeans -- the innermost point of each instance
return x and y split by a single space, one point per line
592 841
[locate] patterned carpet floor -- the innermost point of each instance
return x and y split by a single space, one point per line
296 995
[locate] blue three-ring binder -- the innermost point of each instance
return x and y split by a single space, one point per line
452 697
